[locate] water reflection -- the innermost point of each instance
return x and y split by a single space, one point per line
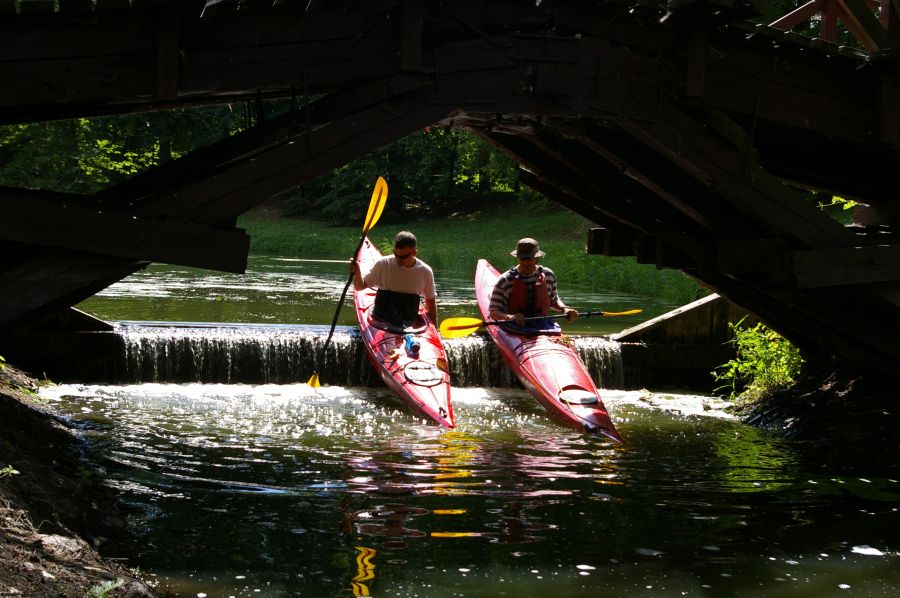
279 491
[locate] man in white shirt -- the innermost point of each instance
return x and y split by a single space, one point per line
402 280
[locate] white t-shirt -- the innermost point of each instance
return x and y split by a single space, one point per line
388 274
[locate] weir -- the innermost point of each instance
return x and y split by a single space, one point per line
140 352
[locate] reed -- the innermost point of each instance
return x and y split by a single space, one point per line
455 244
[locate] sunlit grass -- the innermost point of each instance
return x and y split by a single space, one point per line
455 244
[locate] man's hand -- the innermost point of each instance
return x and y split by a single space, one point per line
570 313
354 267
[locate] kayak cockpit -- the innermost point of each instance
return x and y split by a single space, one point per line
578 396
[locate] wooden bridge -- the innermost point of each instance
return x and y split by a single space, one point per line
690 131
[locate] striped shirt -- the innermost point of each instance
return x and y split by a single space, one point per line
503 287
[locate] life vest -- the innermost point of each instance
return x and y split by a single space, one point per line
530 300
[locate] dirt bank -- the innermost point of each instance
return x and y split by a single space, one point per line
845 417
55 513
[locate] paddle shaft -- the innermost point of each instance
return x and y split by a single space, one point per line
340 304
586 314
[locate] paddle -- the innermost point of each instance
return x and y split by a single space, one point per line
376 207
459 327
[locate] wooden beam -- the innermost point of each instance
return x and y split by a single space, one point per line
845 266
247 145
696 60
242 185
863 24
48 283
743 256
732 168
866 337
646 168
28 220
411 35
167 54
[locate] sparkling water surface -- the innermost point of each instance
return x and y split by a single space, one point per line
278 490
285 490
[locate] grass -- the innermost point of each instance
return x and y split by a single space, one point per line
455 244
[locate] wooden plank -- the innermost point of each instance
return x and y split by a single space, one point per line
411 35
41 287
37 6
605 201
252 142
742 256
82 229
602 241
846 266
734 172
821 324
289 167
863 24
696 60
287 164
692 200
797 16
167 55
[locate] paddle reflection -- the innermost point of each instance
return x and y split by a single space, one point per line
365 571
499 491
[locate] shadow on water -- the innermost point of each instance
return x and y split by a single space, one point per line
280 490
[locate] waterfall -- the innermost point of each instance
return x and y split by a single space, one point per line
278 354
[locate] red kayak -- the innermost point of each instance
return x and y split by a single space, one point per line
411 360
548 366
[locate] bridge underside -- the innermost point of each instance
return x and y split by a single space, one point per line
690 137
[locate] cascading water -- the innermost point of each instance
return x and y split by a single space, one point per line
260 354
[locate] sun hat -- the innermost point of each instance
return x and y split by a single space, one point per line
527 248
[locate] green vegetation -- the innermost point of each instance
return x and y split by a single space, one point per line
454 244
7 471
765 362
103 589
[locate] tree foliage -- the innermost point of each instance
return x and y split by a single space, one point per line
85 155
432 173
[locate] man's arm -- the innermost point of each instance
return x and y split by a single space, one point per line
556 303
499 301
358 283
431 310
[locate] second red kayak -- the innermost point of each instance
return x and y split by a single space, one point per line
549 367
411 361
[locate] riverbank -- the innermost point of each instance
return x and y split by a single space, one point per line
55 513
847 419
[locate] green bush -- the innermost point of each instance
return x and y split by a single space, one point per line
765 362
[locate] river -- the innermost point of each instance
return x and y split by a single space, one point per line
283 490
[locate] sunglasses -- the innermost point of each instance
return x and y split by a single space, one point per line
406 255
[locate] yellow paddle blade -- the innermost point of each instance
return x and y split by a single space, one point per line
630 312
314 380
459 327
376 204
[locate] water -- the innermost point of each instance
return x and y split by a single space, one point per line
282 490
278 290
264 353
278 490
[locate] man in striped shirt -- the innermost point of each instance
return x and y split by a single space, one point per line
527 291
